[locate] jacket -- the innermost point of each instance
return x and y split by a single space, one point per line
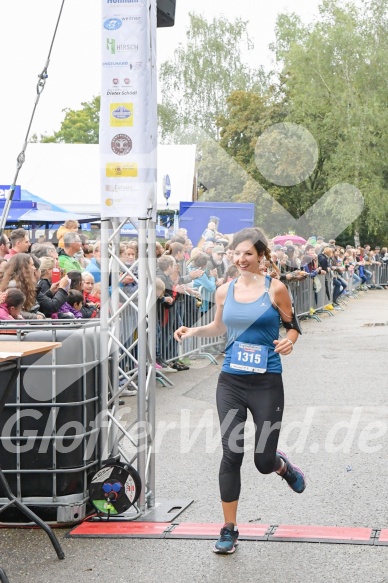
67 262
48 303
4 314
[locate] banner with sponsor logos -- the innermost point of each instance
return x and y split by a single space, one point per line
128 113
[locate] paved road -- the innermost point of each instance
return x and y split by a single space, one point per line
335 427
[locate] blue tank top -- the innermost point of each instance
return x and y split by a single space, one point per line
255 322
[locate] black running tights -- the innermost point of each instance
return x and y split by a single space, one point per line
262 395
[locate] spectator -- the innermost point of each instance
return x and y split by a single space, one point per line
128 256
231 273
162 301
96 293
87 288
71 309
159 250
4 245
44 250
21 273
72 244
208 247
11 306
177 251
80 255
69 226
215 264
20 243
50 296
209 233
207 282
88 309
227 259
94 266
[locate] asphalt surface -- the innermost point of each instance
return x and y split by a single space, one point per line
335 427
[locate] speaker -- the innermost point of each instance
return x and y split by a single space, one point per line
165 13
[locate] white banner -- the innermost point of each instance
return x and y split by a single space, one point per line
128 113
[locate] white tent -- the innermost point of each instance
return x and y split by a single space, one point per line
69 174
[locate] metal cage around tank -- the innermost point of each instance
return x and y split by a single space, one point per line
50 426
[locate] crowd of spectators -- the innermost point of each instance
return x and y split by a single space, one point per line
43 281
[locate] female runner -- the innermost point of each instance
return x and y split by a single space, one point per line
248 310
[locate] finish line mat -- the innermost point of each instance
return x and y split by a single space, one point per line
209 531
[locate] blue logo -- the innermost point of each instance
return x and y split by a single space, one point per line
112 23
121 113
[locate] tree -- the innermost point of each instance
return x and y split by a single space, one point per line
201 75
336 73
80 126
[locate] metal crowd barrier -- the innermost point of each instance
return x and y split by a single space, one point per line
379 275
312 297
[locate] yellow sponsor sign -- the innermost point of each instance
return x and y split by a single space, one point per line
121 115
121 169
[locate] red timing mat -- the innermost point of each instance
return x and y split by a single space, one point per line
95 528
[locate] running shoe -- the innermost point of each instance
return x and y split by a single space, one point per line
294 476
227 542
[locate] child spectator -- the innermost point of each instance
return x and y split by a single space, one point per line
88 309
72 308
87 288
67 227
96 292
11 307
231 273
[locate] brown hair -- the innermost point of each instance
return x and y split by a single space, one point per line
256 235
18 269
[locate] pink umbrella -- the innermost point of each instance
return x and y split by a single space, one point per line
282 239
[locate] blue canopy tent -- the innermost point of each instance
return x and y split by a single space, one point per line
32 210
27 196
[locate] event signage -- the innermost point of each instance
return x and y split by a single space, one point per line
128 113
4 190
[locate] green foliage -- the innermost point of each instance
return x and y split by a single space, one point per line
80 126
197 81
336 75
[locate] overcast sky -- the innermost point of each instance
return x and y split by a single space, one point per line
74 70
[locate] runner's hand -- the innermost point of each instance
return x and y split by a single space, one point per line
283 346
182 333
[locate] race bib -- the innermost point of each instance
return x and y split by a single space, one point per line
249 357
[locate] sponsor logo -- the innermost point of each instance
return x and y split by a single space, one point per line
115 188
126 82
112 23
121 170
109 202
115 47
115 64
121 93
131 18
121 114
121 144
121 86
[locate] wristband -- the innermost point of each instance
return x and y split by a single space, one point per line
291 342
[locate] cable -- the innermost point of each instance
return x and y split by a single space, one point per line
21 157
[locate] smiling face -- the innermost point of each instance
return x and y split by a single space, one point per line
246 258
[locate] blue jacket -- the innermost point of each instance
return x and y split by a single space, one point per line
95 269
208 285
